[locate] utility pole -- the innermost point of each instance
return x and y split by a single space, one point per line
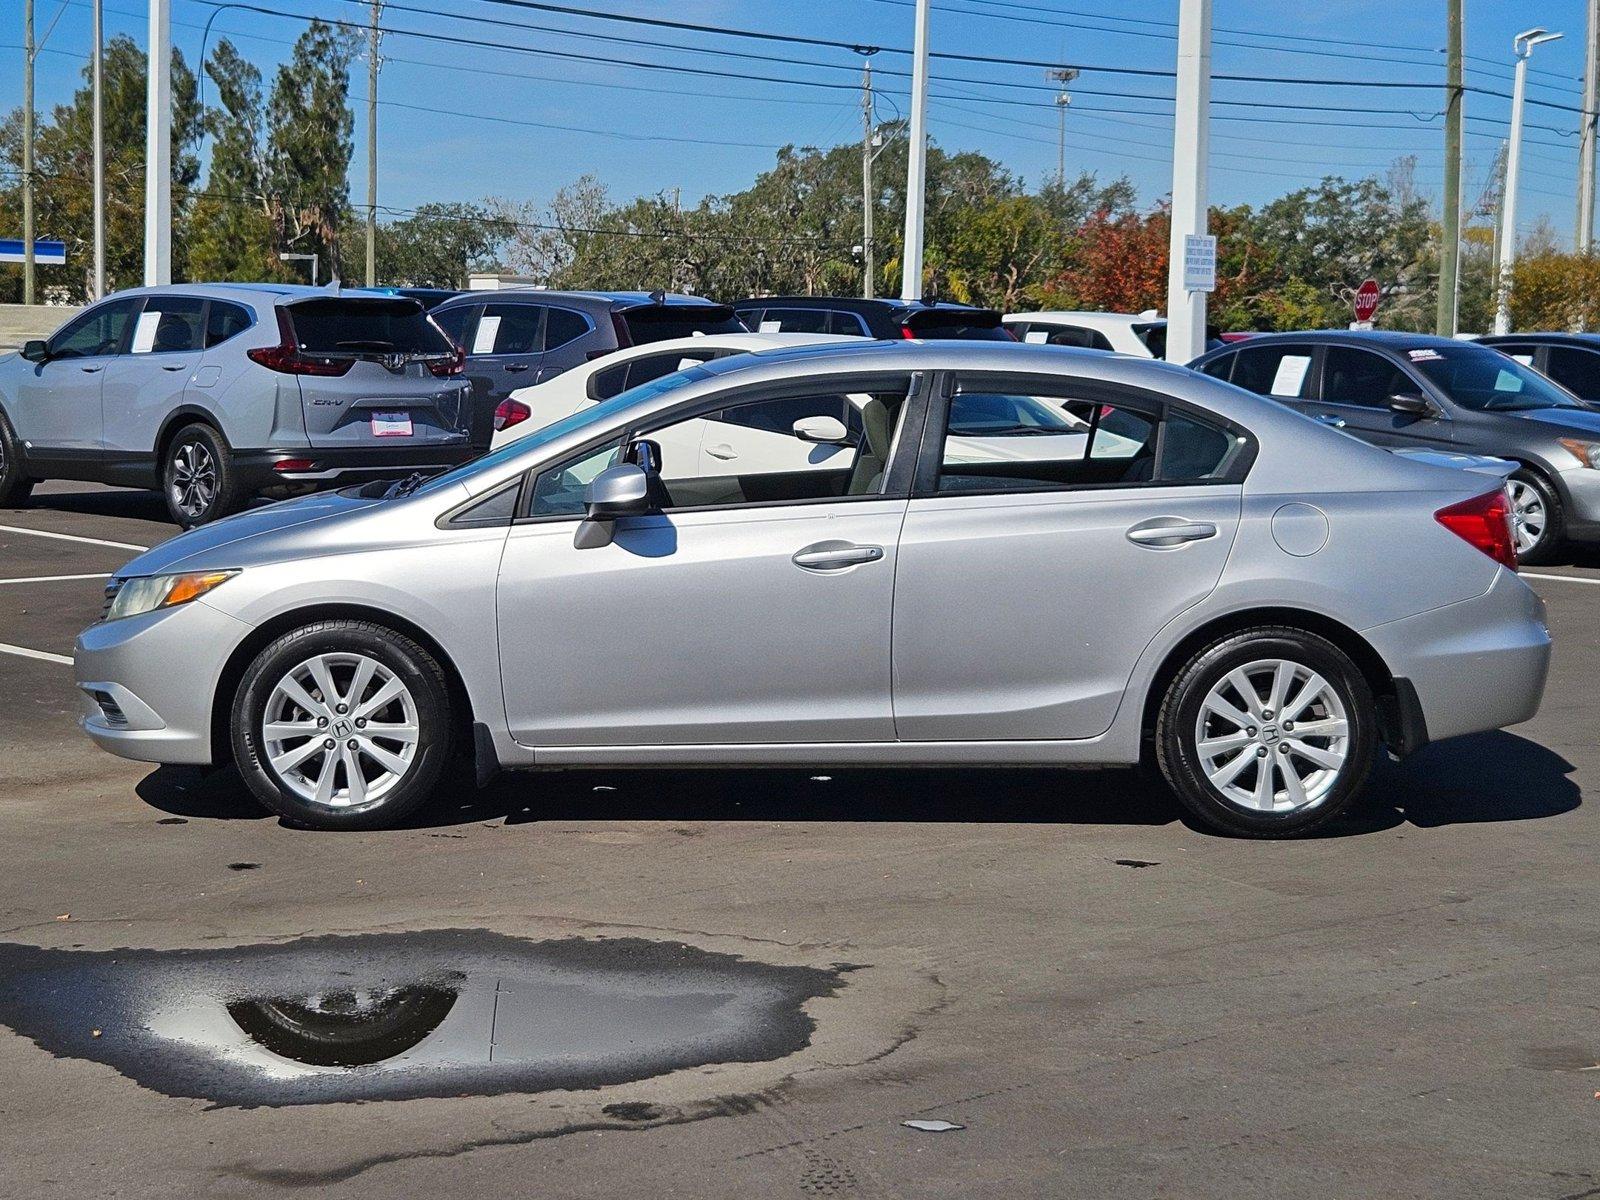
1523 43
1063 76
158 148
1587 133
27 151
868 264
1186 310
916 162
1450 241
97 71
372 146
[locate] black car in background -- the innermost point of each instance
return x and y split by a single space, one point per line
1415 390
856 317
515 338
1571 359
429 297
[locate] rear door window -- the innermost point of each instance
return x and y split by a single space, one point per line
509 329
345 326
563 326
1219 367
1362 378
454 322
1067 335
169 325
795 320
848 324
1576 370
1283 371
966 325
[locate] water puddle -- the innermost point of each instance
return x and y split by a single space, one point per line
399 1016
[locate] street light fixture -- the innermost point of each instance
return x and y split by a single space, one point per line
285 256
1523 44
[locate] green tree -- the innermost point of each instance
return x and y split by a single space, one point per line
437 246
230 227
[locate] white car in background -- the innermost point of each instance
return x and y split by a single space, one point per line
1143 335
531 408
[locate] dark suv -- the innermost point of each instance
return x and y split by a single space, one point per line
1415 390
856 317
1571 359
516 338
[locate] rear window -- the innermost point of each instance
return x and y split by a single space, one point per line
658 322
343 326
980 325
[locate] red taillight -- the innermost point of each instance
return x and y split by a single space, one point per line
293 464
287 358
454 365
907 333
510 412
1485 522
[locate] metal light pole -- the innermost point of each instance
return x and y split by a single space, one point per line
1063 76
1586 144
916 162
868 264
27 151
1450 238
1186 310
372 147
1523 43
158 148
97 71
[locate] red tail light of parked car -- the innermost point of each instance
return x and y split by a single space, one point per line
1485 522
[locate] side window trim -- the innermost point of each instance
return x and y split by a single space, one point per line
930 456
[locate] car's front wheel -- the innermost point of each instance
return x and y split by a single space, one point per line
1536 518
1267 732
198 479
342 724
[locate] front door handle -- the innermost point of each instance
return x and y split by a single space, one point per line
92 370
723 451
834 556
1166 532
513 368
1332 419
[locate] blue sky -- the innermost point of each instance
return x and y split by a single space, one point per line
709 135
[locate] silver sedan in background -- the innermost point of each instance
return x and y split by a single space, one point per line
1167 568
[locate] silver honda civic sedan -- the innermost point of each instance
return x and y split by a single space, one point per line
882 553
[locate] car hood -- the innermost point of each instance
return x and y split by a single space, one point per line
1575 420
227 542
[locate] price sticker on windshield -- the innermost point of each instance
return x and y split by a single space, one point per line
391 424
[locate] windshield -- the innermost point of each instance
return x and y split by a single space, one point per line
597 415
1479 378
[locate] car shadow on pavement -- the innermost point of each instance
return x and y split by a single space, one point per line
124 503
1487 777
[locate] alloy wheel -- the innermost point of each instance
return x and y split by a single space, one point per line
340 731
1529 517
1272 736
193 479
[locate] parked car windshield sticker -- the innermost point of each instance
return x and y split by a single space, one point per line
1036 335
1424 355
1291 374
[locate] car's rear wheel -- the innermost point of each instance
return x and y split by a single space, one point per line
198 479
1267 732
14 483
342 725
1536 518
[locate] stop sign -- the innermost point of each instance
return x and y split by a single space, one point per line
1366 301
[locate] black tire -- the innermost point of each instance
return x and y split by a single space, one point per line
1552 537
198 479
15 485
1178 728
283 791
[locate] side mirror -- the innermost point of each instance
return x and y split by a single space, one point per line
825 431
619 491
1412 406
36 350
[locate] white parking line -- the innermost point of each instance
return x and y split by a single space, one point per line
54 578
71 537
42 655
1558 578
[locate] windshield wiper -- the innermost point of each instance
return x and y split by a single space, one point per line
406 486
366 344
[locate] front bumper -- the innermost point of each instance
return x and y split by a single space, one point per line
158 672
260 469
1581 503
1476 665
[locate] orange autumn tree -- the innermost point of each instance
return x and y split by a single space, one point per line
1117 263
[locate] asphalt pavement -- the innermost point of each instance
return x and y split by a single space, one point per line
740 983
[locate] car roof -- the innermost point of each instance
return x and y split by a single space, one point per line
1543 339
859 304
1388 339
275 293
618 299
1090 320
749 343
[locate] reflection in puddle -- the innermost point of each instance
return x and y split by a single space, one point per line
395 1016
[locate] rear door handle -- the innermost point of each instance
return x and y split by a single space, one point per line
723 451
92 370
174 366
513 368
833 556
1332 419
1166 532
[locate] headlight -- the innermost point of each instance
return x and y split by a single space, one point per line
1588 453
149 592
